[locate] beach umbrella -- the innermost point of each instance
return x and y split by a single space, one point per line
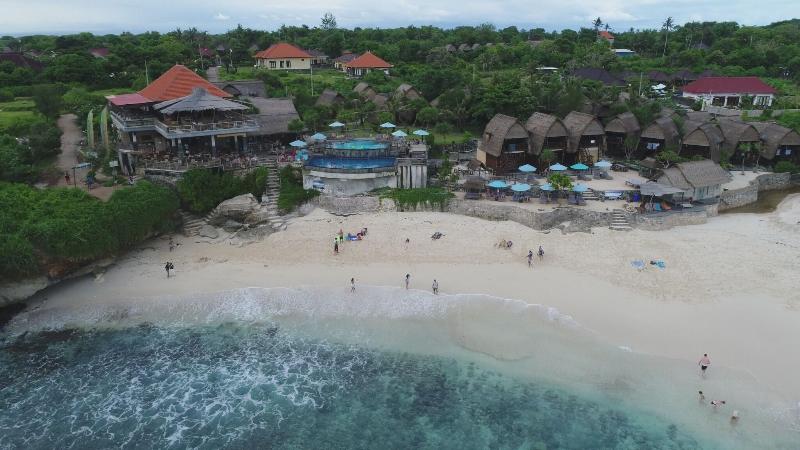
498 184
387 125
579 166
546 187
421 132
297 143
336 124
527 168
520 187
399 133
319 137
602 164
558 167
580 188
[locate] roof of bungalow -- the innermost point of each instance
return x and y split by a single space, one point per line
662 128
407 90
198 100
736 132
380 101
207 52
252 88
368 60
450 48
496 132
346 57
579 124
329 97
100 52
178 81
684 75
625 123
704 134
363 88
542 126
316 53
282 50
729 85
605 34
275 114
695 174
464 47
657 75
20 60
597 74
775 136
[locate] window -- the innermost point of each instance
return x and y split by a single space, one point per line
273 64
288 64
281 64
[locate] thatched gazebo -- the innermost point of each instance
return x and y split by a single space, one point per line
618 129
365 90
329 97
702 139
661 134
547 133
586 140
504 145
407 91
779 143
737 133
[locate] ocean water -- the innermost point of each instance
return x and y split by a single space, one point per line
313 369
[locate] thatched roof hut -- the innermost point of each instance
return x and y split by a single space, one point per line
625 123
498 130
199 100
275 115
694 175
407 91
662 129
450 48
684 76
775 136
365 90
736 132
580 125
658 76
381 101
329 97
247 88
542 126
704 134
699 116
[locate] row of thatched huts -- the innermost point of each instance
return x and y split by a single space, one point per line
507 143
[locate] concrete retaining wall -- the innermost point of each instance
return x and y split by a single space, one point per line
735 198
665 221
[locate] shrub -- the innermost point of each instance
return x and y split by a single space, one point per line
18 259
292 194
406 198
201 190
786 167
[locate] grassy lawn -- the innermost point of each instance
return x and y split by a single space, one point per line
19 109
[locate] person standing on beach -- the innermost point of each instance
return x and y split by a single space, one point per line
530 258
408 279
541 253
352 285
335 246
704 363
167 267
702 397
435 287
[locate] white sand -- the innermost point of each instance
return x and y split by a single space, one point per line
730 287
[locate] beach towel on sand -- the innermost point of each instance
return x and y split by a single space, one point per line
637 264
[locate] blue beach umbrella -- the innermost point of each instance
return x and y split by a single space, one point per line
558 167
399 133
520 187
546 187
580 188
602 164
421 133
387 125
319 137
498 184
579 166
527 168
336 124
297 143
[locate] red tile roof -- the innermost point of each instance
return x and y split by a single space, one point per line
729 85
605 35
20 60
282 50
178 82
368 61
100 52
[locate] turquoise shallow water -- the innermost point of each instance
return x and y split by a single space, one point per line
258 386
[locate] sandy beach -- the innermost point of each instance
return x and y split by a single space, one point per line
729 287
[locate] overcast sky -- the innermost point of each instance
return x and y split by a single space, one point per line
114 16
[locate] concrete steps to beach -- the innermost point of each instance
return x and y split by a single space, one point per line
590 194
270 199
191 223
619 222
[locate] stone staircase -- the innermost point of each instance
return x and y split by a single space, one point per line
270 199
191 223
590 194
619 222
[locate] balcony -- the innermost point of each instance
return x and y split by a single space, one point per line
206 128
124 123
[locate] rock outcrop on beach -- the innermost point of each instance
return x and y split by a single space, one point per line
237 209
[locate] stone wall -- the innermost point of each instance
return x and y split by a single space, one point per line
735 198
665 221
345 206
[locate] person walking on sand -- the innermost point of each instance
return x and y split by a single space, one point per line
335 247
435 287
704 363
408 279
168 266
735 417
530 258
352 285
541 253
702 397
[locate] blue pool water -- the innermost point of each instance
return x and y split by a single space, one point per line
360 144
331 162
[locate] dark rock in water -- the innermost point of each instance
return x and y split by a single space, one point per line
8 312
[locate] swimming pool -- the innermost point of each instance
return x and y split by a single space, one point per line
360 144
329 162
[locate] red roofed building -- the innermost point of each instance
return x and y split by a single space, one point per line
366 63
728 91
283 56
605 35
178 82
100 52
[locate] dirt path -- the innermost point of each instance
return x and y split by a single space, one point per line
71 137
212 73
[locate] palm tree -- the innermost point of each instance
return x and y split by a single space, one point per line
668 26
597 23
